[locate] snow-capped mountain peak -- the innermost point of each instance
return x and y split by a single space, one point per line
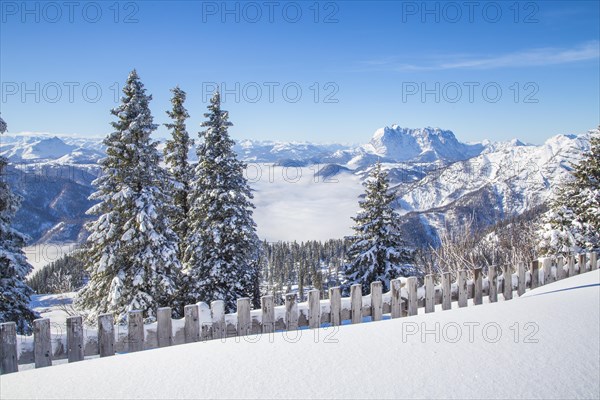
420 145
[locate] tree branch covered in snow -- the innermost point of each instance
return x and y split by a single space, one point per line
132 250
573 222
377 251
14 292
221 254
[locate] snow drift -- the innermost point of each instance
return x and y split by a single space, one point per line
543 345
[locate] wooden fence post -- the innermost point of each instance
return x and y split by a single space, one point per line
593 261
571 264
413 304
8 348
522 284
217 309
42 346
582 262
244 322
446 291
560 268
267 306
493 283
192 323
106 335
165 327
75 338
335 301
376 301
462 288
508 288
535 275
291 312
478 286
396 309
314 309
547 265
429 294
135 331
205 321
356 303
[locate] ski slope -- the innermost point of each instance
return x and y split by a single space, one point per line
476 353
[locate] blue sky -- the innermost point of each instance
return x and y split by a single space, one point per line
374 63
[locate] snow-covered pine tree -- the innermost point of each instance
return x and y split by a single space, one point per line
377 250
176 157
221 256
573 222
132 257
14 292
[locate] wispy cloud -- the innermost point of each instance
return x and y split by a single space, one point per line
525 58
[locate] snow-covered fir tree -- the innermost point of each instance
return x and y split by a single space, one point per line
132 257
14 292
221 256
176 158
573 222
377 250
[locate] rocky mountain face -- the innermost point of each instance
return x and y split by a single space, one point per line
440 182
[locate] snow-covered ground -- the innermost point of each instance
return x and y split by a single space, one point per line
543 345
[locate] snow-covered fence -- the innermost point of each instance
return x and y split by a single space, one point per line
203 322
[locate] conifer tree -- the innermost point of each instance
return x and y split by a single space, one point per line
221 256
377 251
573 222
176 158
14 292
132 251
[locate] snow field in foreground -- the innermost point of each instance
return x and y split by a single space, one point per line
544 345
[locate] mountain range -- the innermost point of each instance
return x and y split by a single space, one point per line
440 182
